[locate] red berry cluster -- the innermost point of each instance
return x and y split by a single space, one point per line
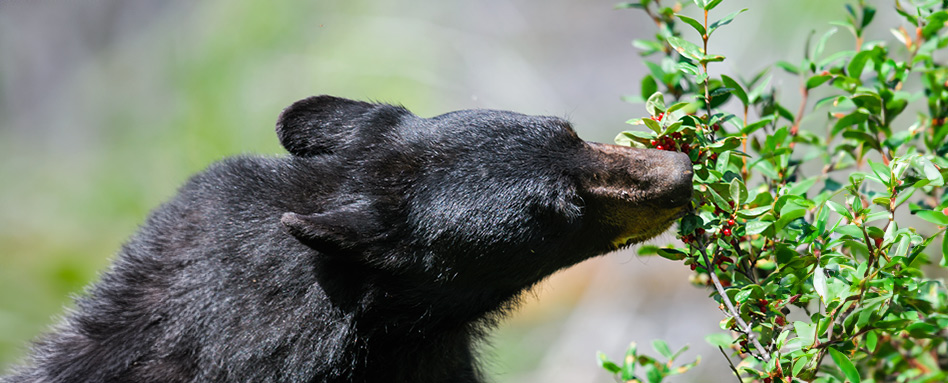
691 237
674 142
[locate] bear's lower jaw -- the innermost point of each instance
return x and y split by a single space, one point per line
641 225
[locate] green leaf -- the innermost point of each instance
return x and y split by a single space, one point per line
629 5
634 138
628 364
726 144
806 332
724 21
694 24
917 250
736 89
753 213
648 47
662 348
757 226
845 365
658 72
678 353
686 48
923 330
672 254
652 124
719 339
944 250
652 373
933 216
858 63
817 80
649 87
881 171
738 191
872 339
677 106
839 209
753 127
935 22
867 14
854 118
819 284
931 172
606 364
655 104
818 49
711 4
863 137
788 67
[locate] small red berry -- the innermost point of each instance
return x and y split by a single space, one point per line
944 211
731 222
878 242
700 231
780 321
716 127
825 73
694 266
676 135
686 239
660 147
767 380
654 143
726 231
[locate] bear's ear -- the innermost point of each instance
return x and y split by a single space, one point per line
326 124
334 232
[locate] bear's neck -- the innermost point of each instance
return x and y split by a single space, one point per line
411 307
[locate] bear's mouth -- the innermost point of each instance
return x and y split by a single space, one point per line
640 225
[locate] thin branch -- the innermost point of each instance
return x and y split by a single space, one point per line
729 363
745 328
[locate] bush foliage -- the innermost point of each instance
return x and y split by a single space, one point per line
817 236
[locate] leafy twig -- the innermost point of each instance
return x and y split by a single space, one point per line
745 328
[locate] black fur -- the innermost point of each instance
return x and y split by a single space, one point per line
379 251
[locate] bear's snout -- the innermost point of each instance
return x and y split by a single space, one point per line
670 174
658 178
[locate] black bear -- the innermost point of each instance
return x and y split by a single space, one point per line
380 250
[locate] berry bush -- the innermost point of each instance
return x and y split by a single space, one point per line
820 227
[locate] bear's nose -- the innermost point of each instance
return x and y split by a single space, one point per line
671 175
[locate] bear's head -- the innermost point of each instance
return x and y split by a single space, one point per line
471 199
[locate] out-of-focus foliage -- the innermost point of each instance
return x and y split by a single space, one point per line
818 239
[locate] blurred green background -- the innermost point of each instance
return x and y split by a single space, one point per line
107 106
